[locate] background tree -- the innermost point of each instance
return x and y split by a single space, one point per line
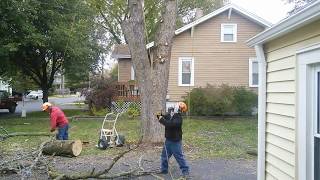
298 5
38 38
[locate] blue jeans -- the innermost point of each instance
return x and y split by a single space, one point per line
62 133
173 148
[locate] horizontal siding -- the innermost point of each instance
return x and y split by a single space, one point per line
281 154
280 142
124 70
283 132
285 121
283 168
282 86
270 177
215 62
283 75
275 173
281 64
281 97
281 109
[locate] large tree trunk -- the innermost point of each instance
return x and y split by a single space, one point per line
152 74
63 148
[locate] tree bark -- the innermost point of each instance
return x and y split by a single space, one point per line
63 148
45 93
152 74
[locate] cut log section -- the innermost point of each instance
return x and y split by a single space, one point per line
63 148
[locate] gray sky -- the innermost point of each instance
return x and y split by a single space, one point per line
271 10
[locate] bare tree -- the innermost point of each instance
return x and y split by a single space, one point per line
152 70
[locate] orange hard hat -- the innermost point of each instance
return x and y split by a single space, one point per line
182 106
46 105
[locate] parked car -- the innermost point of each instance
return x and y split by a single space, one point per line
35 94
7 102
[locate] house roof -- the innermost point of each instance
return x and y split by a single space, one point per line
291 23
232 7
121 51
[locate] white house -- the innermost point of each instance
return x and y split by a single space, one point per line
289 97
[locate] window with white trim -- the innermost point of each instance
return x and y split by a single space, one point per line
253 72
228 32
132 73
186 71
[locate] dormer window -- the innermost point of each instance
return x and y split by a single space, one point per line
228 32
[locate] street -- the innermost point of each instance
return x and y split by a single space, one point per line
31 105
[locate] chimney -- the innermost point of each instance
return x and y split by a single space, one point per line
199 13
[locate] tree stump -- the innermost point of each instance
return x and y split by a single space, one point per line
63 148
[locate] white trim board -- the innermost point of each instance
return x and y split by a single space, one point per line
180 71
305 59
234 32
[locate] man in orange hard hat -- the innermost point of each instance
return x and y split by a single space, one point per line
173 143
57 120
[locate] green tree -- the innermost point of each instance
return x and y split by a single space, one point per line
298 5
39 38
114 12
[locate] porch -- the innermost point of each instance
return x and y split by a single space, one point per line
127 92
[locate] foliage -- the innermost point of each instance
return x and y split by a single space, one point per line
244 100
38 38
114 72
213 100
101 112
100 97
298 5
133 111
113 13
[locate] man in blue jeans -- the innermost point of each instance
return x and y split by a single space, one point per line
173 133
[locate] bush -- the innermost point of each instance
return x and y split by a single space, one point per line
100 96
213 100
133 111
244 101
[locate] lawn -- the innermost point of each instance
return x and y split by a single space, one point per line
203 138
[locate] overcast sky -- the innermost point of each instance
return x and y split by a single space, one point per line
271 10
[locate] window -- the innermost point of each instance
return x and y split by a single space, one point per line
253 72
186 71
228 32
132 73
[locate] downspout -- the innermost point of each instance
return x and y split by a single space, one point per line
261 112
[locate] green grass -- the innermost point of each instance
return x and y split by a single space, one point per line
228 138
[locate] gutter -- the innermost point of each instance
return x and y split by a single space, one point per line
261 112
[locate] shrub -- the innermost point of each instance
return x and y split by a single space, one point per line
133 111
244 100
219 100
100 96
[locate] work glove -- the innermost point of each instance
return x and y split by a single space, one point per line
159 115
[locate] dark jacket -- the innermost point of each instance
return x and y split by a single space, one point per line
173 131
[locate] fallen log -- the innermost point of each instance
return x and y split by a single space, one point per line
71 148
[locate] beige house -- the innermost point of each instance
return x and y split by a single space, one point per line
211 50
289 97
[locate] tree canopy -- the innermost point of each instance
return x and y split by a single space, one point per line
114 12
39 37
